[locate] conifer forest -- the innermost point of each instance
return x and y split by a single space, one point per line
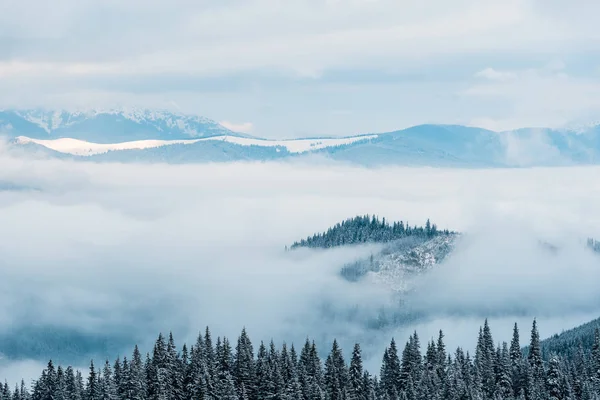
224 370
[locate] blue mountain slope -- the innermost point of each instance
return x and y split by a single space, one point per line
427 145
12 124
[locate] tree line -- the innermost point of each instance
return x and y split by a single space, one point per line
208 370
367 229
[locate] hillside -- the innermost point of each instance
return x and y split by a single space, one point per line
572 341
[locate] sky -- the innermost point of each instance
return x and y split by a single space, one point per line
283 69
124 251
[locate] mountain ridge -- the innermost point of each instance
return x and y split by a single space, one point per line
109 125
421 145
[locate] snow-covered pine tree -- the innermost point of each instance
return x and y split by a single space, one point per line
534 358
356 383
244 365
136 383
92 390
503 371
108 390
554 380
391 370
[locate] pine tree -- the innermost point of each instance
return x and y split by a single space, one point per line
61 389
503 370
391 370
174 369
136 383
515 348
335 374
119 380
356 376
262 372
244 365
411 364
92 389
24 393
108 389
516 360
554 380
225 389
534 357
485 360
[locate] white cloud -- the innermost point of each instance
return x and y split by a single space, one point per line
305 37
495 75
543 97
243 127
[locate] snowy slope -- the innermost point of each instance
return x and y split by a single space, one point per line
396 268
84 148
401 260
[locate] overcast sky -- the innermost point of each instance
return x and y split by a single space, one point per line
285 68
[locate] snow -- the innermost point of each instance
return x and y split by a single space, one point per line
83 148
396 269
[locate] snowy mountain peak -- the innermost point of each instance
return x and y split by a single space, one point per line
109 125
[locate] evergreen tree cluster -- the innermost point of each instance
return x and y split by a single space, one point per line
593 244
218 371
367 229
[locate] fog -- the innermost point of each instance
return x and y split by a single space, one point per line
114 253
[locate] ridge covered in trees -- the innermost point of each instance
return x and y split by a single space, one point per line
571 342
209 370
367 229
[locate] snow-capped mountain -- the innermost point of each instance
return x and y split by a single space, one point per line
109 125
138 135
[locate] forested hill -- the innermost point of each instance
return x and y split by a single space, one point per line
227 371
570 343
368 229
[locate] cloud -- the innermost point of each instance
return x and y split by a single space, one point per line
540 97
495 75
243 127
126 251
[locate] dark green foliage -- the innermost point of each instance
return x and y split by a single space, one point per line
568 343
215 372
367 229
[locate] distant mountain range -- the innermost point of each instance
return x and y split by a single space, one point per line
108 126
132 135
